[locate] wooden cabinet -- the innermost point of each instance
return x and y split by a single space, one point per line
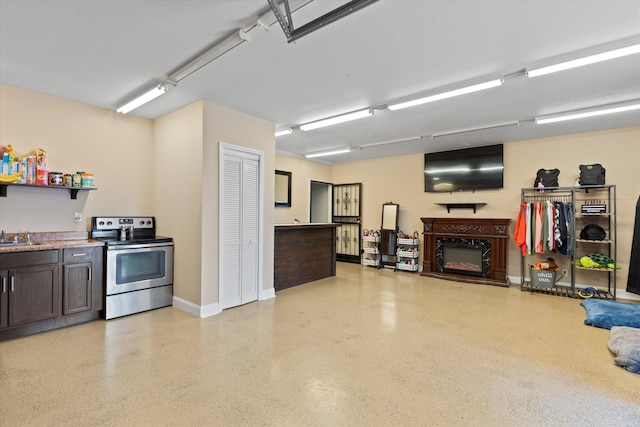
4 299
33 294
30 288
47 289
77 280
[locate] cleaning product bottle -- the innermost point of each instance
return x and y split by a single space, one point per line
5 163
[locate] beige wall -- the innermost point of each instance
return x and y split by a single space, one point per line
167 168
222 124
302 173
618 150
177 191
77 137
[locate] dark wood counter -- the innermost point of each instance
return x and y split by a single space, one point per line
303 253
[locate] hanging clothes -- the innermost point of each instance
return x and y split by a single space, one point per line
538 228
520 235
544 226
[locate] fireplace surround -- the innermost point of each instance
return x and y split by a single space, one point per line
471 250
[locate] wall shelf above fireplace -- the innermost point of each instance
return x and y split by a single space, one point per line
450 206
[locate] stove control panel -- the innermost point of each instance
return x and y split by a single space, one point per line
112 223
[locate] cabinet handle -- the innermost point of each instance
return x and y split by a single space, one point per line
13 287
78 254
89 273
4 285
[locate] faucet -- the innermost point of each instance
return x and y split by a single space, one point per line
27 237
2 236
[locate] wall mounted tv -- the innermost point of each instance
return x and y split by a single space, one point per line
468 169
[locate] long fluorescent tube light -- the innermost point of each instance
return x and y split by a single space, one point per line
328 153
448 94
337 119
610 109
467 130
143 99
208 55
587 60
283 132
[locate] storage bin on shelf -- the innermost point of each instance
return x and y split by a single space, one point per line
407 254
370 248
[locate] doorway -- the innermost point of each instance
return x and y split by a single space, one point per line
320 202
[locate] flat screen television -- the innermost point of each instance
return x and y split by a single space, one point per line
468 169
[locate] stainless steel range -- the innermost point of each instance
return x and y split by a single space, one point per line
138 264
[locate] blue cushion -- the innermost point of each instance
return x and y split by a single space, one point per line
606 313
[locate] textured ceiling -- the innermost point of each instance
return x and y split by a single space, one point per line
104 52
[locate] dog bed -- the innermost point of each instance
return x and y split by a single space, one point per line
606 313
624 342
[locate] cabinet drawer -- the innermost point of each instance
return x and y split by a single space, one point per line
79 254
26 258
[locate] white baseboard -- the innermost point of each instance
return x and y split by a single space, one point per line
212 309
267 294
196 310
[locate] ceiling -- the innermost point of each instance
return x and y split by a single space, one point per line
105 52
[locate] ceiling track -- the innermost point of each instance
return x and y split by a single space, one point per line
292 34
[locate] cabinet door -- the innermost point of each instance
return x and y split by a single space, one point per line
76 288
33 294
4 299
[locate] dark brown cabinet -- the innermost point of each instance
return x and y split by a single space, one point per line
33 294
77 280
30 287
48 289
4 299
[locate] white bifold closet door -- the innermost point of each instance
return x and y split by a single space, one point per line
239 228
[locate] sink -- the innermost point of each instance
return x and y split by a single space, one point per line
12 244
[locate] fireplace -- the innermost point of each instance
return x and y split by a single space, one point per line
466 250
463 256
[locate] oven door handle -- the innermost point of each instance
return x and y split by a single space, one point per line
138 246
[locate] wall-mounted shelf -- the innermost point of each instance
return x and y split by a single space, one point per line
72 190
450 206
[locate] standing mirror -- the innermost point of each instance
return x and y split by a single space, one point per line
389 234
283 189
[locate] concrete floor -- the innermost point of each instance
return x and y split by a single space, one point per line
366 348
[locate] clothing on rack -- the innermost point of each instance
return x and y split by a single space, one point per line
544 226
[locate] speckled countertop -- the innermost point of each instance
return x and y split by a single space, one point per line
50 240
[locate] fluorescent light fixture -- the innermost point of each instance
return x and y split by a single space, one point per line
581 114
587 60
328 153
283 132
455 132
143 99
211 53
448 94
337 119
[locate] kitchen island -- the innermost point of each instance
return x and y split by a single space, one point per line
303 253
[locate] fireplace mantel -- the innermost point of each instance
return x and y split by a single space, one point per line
494 231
